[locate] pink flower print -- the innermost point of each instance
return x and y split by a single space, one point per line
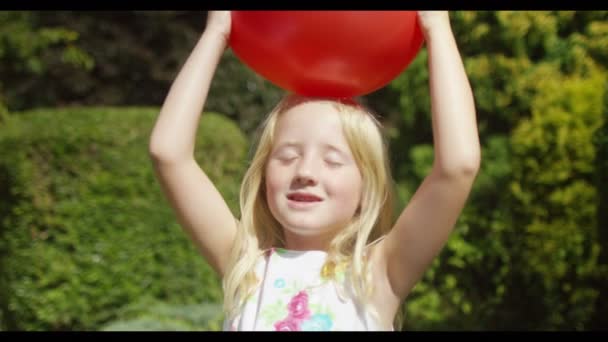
288 324
298 306
297 312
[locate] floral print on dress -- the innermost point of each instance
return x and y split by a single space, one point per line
296 305
332 271
318 322
287 325
279 283
299 317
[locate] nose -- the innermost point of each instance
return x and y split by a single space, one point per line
306 172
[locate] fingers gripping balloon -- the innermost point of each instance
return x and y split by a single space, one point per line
326 53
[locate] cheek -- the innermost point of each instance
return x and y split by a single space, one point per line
273 181
348 189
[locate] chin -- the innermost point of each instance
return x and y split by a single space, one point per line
304 228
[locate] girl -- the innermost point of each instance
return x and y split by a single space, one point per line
315 247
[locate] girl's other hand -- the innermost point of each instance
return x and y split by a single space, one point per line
431 20
219 22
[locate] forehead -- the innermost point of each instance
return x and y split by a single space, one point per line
310 120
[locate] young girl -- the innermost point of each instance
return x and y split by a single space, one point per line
315 247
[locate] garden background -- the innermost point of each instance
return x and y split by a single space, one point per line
87 242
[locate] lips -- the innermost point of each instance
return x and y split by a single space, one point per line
303 197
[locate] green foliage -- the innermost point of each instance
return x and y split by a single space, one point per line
30 51
528 252
85 229
137 55
555 199
3 112
524 253
252 97
601 184
463 286
413 116
150 315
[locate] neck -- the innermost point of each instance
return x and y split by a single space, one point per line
307 243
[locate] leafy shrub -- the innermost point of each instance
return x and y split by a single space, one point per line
85 229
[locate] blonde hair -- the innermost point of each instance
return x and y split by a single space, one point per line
259 231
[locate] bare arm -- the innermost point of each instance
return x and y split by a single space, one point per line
199 207
424 226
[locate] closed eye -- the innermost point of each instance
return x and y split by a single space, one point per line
286 153
334 159
334 163
286 159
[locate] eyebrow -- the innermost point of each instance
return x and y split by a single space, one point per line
326 146
288 144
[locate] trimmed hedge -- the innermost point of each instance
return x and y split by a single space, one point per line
158 316
84 228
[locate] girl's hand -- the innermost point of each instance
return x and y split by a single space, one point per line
219 22
431 20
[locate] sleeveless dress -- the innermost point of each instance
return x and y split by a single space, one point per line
296 295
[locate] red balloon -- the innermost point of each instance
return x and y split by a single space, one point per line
327 53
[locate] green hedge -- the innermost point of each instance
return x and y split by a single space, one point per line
84 228
150 315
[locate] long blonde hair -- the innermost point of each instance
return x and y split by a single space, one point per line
259 231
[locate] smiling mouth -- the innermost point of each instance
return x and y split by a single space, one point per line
305 198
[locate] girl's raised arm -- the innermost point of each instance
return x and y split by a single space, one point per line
424 226
198 205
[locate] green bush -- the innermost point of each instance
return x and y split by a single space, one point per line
555 203
31 51
85 230
150 315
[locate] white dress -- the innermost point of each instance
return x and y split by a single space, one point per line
294 295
